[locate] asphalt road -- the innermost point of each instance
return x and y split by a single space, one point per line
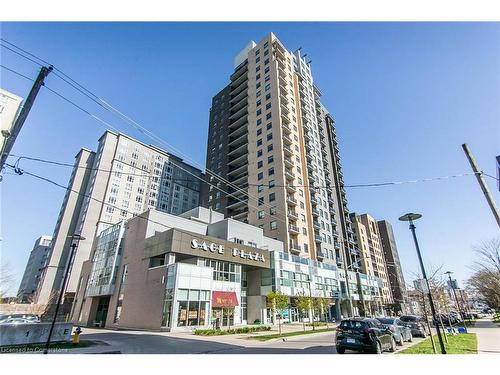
133 342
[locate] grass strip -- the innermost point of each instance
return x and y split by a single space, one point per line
288 334
464 343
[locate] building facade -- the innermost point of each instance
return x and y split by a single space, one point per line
36 262
158 271
373 260
393 265
121 179
9 109
274 146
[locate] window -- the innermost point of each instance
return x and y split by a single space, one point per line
258 102
268 116
268 106
269 126
268 96
259 153
259 132
261 201
272 197
259 142
270 171
259 112
270 136
269 148
270 159
257 69
272 184
272 211
265 61
260 188
260 176
268 86
266 70
257 77
259 164
257 60
259 121
273 225
261 214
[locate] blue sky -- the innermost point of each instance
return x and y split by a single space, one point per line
405 97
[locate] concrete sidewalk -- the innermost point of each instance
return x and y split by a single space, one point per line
488 336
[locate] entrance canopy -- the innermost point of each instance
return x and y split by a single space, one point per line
224 299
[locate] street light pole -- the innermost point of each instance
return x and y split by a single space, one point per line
74 245
456 299
410 217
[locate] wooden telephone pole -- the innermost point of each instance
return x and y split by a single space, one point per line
482 184
18 123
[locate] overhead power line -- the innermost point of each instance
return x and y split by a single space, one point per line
376 184
102 103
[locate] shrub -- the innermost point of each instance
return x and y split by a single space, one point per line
232 331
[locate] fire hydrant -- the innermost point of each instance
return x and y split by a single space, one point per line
76 335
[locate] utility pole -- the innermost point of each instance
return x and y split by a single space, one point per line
18 123
481 182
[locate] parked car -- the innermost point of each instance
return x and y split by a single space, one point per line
401 332
17 321
364 335
446 319
416 324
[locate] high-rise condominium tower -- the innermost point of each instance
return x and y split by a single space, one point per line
274 146
373 261
394 270
122 179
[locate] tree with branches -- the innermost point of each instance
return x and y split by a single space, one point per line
303 304
485 280
277 302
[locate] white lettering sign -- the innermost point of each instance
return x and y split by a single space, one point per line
216 248
212 247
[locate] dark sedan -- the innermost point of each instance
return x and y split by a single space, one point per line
416 324
364 335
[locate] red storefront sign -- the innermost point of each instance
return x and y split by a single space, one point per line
224 299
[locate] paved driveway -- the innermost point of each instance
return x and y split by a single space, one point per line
135 342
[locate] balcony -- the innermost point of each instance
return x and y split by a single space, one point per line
318 238
288 162
315 212
316 225
293 229
314 200
294 248
287 150
320 254
333 221
340 262
332 211
290 188
337 245
330 199
291 201
287 140
286 129
293 215
354 251
289 174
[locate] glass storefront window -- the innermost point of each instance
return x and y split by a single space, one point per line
182 314
193 313
182 294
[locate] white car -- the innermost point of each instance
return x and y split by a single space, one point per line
17 321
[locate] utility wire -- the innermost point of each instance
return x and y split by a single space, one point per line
106 124
89 94
102 103
257 185
20 172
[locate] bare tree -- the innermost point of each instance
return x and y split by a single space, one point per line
485 281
